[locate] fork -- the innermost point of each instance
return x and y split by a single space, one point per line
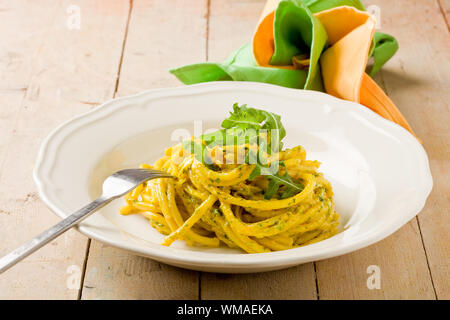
116 185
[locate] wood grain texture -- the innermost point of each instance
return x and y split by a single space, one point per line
161 34
444 5
48 74
418 80
231 26
293 283
112 273
402 262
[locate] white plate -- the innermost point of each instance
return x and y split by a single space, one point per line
379 172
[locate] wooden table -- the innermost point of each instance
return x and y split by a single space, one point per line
51 71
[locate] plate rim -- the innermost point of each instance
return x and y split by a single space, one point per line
262 260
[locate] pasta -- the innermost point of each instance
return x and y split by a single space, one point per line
210 207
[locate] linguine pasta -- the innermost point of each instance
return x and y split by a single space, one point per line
224 205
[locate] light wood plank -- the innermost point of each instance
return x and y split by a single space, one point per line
48 74
162 34
403 270
445 9
418 80
230 26
293 283
112 273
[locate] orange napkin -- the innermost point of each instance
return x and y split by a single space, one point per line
350 35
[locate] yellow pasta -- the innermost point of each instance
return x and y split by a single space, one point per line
206 207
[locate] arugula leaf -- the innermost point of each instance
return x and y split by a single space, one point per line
246 118
250 126
277 180
263 170
233 136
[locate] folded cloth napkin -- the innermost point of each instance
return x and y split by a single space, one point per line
241 64
320 45
350 34
293 21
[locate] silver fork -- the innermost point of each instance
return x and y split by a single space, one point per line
114 186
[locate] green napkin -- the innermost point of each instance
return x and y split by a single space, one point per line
240 66
293 21
322 5
296 31
385 47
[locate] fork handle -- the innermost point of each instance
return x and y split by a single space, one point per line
45 237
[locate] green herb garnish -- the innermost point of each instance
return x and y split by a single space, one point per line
254 127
